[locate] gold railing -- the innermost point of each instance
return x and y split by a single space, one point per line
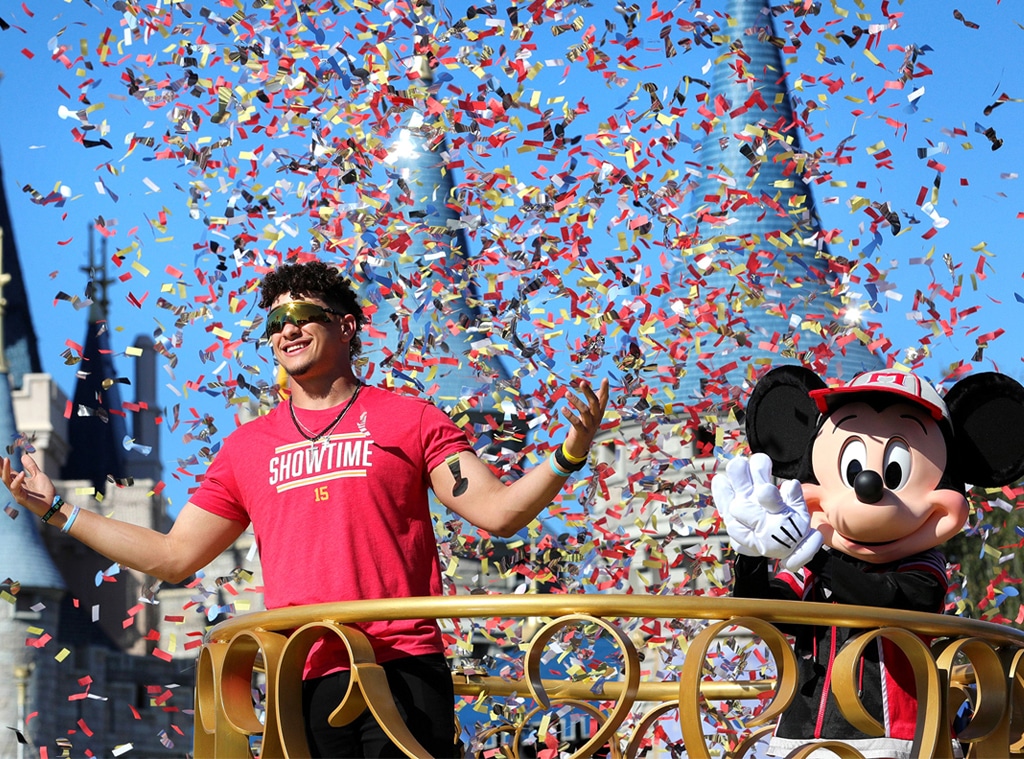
712 674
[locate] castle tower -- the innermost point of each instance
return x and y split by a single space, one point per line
430 304
97 429
769 291
754 287
144 460
112 472
61 623
425 294
30 585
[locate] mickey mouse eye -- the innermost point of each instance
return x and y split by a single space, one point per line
853 460
896 464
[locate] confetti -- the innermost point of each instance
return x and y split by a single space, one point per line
592 169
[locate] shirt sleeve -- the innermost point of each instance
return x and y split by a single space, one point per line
218 493
441 437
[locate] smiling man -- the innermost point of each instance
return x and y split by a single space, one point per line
335 482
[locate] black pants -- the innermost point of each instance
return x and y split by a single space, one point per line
422 689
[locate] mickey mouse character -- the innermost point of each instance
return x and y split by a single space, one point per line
875 472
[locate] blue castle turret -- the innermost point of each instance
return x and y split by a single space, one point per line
754 286
423 285
20 341
24 560
31 586
759 286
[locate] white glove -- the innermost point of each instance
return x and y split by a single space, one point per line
762 519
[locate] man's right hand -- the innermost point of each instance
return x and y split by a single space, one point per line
762 519
30 487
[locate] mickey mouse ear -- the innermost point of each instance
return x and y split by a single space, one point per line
781 418
987 412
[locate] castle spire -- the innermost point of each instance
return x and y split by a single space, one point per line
759 287
21 349
97 428
431 305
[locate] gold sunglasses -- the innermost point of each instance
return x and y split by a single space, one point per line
297 312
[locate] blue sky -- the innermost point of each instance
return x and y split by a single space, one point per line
977 203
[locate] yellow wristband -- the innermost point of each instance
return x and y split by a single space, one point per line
572 459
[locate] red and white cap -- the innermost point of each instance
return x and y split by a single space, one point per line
909 386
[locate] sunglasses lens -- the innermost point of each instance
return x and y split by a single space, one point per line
297 313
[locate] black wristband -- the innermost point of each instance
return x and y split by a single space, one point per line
54 508
564 464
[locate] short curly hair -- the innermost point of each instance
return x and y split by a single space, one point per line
320 280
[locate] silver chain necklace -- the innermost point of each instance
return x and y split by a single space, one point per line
325 433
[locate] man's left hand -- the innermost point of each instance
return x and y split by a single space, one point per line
585 416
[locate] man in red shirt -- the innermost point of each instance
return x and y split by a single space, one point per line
334 481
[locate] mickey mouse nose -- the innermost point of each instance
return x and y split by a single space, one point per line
868 486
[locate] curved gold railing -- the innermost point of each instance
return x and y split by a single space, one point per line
694 656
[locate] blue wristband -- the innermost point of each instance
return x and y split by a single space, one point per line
71 519
554 468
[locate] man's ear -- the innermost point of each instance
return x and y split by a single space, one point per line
348 326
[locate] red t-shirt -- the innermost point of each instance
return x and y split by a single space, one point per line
346 520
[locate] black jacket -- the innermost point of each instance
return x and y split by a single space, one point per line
915 583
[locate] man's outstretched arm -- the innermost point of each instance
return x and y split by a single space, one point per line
195 539
487 502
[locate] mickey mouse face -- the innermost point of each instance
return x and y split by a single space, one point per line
877 473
